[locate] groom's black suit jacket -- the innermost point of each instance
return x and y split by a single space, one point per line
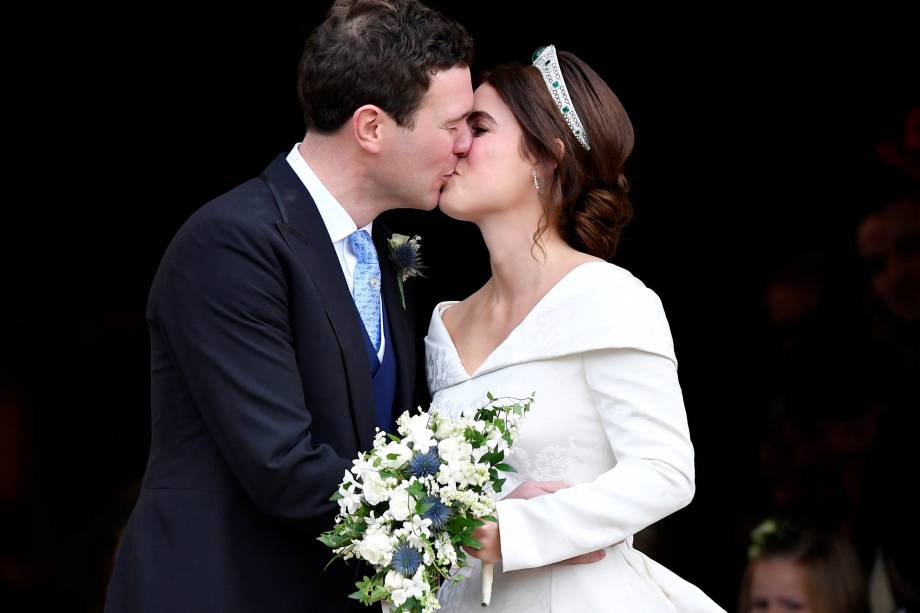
261 395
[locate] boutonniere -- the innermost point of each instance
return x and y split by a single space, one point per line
404 252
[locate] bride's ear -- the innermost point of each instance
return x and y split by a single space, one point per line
550 164
559 147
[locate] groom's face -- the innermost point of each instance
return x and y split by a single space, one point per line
422 159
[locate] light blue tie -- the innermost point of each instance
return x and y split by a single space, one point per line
366 288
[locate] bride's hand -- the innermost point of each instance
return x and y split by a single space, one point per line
532 489
489 534
490 540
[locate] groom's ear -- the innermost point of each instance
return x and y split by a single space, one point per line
367 125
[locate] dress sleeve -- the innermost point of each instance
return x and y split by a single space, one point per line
639 403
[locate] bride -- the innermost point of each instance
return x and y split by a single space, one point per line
544 183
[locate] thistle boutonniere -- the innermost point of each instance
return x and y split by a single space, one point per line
404 252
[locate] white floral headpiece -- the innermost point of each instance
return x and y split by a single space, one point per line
545 60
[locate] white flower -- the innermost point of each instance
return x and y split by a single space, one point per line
402 588
447 555
394 455
375 490
415 430
443 426
380 438
376 547
350 495
402 504
420 526
454 450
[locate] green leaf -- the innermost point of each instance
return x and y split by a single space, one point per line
490 396
476 439
493 457
394 438
469 541
392 456
335 496
507 468
417 491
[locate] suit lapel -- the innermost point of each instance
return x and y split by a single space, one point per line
304 231
401 338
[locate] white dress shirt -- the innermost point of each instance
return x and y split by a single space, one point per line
339 225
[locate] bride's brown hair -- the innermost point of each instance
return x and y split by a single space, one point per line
585 197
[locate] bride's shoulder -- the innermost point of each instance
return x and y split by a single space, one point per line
606 306
600 281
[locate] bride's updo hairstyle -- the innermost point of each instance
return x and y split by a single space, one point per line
585 196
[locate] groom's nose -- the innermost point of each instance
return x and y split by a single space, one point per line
463 140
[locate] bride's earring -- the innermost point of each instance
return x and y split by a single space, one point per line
536 181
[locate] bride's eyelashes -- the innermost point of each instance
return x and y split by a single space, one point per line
478 130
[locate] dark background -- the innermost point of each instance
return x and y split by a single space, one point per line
755 148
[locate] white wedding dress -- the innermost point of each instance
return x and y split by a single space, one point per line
609 418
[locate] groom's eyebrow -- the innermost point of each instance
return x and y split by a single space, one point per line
459 119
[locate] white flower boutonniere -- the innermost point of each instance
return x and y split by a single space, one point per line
404 252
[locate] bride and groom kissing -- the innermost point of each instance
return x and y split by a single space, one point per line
281 336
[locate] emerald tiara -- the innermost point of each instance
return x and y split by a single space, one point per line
545 60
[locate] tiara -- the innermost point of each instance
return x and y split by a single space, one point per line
545 60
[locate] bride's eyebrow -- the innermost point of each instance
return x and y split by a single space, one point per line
477 115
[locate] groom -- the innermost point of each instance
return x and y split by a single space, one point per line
279 339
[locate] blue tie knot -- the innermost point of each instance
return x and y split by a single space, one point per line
363 246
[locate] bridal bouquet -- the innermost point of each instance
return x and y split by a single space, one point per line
409 505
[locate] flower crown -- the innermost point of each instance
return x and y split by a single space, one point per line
769 531
545 60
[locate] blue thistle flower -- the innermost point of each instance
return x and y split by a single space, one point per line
439 512
406 559
404 251
405 254
425 464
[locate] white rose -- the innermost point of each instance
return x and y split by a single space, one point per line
374 488
376 548
394 455
454 449
443 427
402 504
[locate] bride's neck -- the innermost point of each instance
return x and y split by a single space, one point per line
521 270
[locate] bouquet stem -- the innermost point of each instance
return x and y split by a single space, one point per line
487 569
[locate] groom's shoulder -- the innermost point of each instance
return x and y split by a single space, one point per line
244 218
248 204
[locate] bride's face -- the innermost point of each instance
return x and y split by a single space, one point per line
494 176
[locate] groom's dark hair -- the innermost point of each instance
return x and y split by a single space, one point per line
381 52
